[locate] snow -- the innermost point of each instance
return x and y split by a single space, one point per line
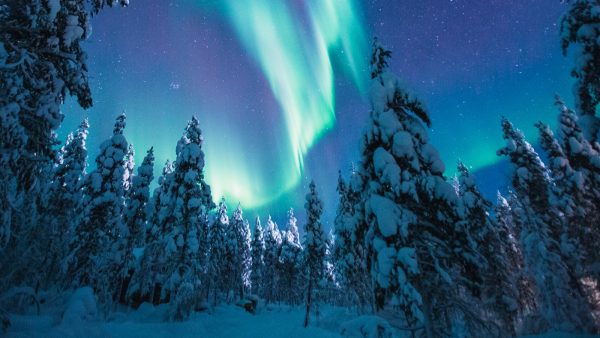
387 213
223 321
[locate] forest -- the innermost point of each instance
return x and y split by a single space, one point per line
412 253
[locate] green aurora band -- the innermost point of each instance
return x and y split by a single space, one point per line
297 58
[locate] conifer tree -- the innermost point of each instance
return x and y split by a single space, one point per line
258 263
129 165
290 261
579 28
135 218
271 258
562 305
96 248
218 251
189 198
497 287
315 245
415 244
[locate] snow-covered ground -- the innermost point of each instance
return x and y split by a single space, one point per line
79 318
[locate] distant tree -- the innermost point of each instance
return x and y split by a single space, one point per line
315 244
349 249
273 242
562 304
237 254
96 247
579 29
258 263
146 281
290 262
218 251
136 217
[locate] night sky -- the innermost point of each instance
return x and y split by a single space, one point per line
281 87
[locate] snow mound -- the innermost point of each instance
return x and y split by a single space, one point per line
367 327
81 307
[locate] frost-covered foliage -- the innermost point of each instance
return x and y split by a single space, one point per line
415 244
236 261
41 62
271 258
561 302
258 262
290 262
580 29
584 159
187 199
218 251
349 249
129 164
97 246
136 216
145 281
315 244
494 283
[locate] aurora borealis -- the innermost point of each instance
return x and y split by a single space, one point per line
280 86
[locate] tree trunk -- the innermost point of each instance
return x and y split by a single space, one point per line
308 302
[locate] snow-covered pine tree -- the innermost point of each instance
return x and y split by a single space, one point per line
349 255
136 217
41 62
95 249
497 284
315 244
414 242
579 28
237 254
218 251
258 263
145 284
37 260
290 262
271 258
584 158
189 200
509 237
562 305
569 198
244 245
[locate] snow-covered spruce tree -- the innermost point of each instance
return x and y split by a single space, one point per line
584 158
237 255
244 245
41 62
315 244
135 217
62 204
290 263
497 284
96 247
562 304
189 199
146 281
570 198
579 29
271 258
258 263
218 251
416 247
349 254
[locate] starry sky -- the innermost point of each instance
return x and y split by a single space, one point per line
281 87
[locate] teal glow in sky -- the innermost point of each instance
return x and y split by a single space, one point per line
278 85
